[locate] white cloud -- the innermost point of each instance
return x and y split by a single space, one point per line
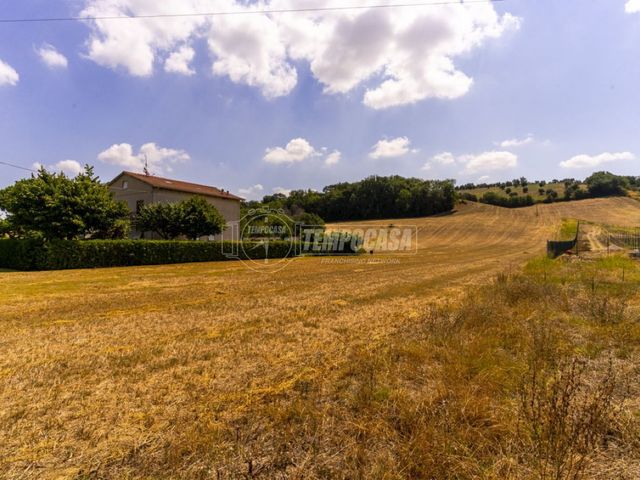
51 57
444 158
396 147
403 54
632 6
160 160
283 191
590 161
333 158
70 167
516 142
483 179
252 193
8 76
180 60
250 50
488 161
296 150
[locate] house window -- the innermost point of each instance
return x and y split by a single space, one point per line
125 184
139 205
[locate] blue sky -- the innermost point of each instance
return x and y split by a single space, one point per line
538 88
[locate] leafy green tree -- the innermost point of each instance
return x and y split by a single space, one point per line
309 219
58 207
602 184
165 219
200 218
5 228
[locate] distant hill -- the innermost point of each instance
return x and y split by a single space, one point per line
538 192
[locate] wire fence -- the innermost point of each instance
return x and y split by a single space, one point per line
625 240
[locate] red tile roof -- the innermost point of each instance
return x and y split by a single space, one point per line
180 186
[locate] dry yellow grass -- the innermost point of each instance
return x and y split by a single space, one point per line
205 370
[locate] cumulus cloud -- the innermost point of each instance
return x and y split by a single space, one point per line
253 192
403 55
8 76
250 50
333 158
590 161
296 150
484 178
632 6
444 158
283 191
51 57
70 167
180 60
159 160
396 147
488 161
516 142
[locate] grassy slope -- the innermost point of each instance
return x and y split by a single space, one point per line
187 369
533 190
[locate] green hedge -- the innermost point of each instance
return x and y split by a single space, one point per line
67 254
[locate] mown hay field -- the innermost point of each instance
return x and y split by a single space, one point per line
216 371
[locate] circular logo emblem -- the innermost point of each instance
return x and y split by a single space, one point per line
267 240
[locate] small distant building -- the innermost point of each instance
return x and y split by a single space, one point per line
138 190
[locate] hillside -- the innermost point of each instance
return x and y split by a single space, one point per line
532 189
316 371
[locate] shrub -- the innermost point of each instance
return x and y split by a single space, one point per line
468 196
200 218
161 218
36 254
193 218
566 416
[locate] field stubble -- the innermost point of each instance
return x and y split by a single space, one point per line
205 370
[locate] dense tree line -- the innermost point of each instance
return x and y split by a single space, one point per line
372 198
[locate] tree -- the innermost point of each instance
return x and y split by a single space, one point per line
57 207
165 219
309 219
601 184
5 227
200 218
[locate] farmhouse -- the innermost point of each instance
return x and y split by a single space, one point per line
137 190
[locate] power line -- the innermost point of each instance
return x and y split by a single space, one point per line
246 12
17 166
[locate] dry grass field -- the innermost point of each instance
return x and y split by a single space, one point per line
374 367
